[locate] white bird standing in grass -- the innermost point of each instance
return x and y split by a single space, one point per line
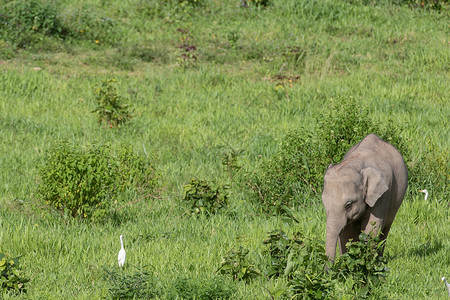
447 284
425 192
122 254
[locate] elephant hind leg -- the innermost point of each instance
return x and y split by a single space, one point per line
350 232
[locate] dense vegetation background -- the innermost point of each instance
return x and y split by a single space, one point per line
195 128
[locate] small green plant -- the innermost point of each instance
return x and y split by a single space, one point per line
262 3
283 84
233 37
230 161
110 108
83 182
187 57
190 3
205 197
236 264
11 277
141 284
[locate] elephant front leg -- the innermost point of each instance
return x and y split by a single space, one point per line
350 232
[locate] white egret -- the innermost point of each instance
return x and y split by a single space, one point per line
425 192
447 284
122 254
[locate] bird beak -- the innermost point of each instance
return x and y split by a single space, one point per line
421 191
442 280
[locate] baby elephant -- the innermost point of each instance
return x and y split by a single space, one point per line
363 192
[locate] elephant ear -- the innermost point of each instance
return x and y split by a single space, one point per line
375 185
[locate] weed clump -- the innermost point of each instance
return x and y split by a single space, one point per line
110 108
187 57
303 156
205 197
11 276
300 261
83 182
25 22
38 24
363 262
236 264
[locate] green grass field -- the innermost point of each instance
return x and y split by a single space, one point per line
235 78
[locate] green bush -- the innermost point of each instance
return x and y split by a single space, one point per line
89 23
20 20
362 262
300 261
236 264
45 25
110 108
230 161
205 197
11 277
83 182
303 156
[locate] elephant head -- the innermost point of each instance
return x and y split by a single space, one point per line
348 193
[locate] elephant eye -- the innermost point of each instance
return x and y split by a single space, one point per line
348 204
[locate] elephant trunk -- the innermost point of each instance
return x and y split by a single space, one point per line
333 231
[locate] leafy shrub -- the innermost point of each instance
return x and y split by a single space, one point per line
230 161
205 197
141 284
278 247
22 19
303 156
89 23
11 277
25 24
363 262
236 264
110 108
301 261
82 183
202 289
